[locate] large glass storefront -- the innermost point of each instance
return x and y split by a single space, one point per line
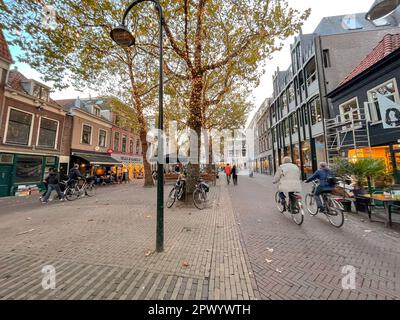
320 149
307 158
296 155
391 157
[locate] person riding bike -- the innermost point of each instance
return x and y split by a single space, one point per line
74 175
288 178
326 183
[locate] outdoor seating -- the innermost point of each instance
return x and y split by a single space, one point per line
369 205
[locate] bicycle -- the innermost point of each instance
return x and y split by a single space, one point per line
73 192
295 206
333 208
200 194
177 191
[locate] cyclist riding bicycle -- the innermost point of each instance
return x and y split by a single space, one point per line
326 183
74 175
288 178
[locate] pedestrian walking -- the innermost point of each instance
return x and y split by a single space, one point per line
126 175
53 184
235 175
228 172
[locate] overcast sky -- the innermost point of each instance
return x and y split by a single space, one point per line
320 9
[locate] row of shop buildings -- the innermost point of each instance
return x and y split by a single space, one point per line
338 98
37 133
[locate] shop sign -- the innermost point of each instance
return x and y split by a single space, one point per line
390 112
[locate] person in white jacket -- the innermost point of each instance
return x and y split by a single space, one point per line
288 178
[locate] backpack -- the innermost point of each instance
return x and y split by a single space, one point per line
331 179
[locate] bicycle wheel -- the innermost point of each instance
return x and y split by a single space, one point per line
279 205
199 198
298 213
335 215
71 194
171 198
311 205
90 190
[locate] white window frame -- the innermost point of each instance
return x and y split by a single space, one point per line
126 145
105 140
371 102
30 131
95 109
38 135
91 134
342 113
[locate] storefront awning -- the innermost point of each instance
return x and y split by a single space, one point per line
98 159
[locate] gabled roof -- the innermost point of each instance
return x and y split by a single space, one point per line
15 79
389 44
4 49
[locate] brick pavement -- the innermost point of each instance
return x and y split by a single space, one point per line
100 249
307 261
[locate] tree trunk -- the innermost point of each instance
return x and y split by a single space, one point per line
195 122
148 179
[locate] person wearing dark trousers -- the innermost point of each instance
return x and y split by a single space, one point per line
234 175
53 184
228 172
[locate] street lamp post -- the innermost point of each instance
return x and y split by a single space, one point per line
382 8
123 37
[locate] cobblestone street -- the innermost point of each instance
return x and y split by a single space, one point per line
307 261
102 248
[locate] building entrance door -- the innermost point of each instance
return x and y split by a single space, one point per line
5 180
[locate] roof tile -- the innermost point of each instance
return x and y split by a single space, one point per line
389 44
4 50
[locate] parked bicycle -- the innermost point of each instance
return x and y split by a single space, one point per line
294 207
200 194
82 187
177 191
333 209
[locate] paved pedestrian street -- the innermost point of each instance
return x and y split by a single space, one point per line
239 248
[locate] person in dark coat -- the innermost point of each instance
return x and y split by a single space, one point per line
53 181
234 175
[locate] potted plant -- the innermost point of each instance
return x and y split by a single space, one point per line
342 169
364 170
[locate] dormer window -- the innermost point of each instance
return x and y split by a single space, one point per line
96 111
381 22
40 92
351 23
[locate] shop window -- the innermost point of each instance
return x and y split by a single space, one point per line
102 138
28 169
316 115
50 163
116 141
86 134
6 158
320 149
389 90
19 127
48 133
307 158
124 142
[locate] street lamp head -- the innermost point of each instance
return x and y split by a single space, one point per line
122 36
381 8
